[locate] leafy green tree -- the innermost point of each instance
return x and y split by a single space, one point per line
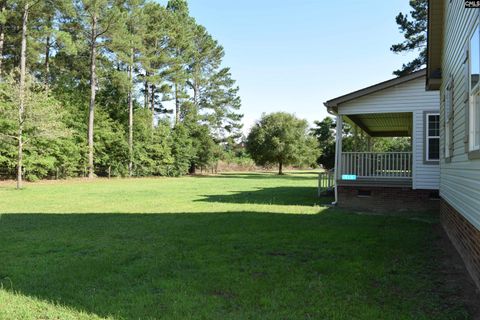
414 29
324 131
281 138
182 150
394 144
39 118
152 151
111 146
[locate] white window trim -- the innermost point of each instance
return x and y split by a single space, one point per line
473 93
428 136
448 111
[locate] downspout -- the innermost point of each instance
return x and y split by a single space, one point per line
338 137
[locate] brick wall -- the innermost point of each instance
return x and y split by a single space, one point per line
386 199
464 236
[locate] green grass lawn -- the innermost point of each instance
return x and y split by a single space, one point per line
233 246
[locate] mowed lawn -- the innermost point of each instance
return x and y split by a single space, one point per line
233 246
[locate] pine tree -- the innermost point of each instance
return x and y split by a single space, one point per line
414 29
21 93
180 47
154 59
127 44
222 103
205 59
97 16
3 20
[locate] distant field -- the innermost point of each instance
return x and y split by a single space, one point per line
233 246
255 192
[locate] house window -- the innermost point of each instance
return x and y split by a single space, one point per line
448 119
474 91
432 143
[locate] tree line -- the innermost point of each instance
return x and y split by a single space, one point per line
85 88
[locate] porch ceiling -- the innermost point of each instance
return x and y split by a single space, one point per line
384 124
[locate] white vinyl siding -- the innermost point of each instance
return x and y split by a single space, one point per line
406 97
460 177
425 175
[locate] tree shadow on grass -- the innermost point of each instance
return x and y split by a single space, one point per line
301 196
295 176
220 265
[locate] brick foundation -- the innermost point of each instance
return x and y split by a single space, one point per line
387 199
464 236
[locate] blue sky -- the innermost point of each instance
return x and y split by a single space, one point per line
294 55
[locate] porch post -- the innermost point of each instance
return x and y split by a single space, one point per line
338 153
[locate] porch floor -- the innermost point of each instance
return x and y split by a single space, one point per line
377 182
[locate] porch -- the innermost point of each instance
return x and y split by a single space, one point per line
358 164
372 170
388 169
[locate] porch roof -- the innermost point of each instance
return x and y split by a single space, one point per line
383 124
380 120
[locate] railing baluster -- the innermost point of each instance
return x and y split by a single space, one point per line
348 164
389 164
360 169
380 173
384 158
397 164
401 164
386 165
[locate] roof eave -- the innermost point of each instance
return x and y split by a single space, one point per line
433 84
333 103
434 45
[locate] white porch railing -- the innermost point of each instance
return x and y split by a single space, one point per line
377 164
326 182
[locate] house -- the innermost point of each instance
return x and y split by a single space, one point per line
453 69
386 181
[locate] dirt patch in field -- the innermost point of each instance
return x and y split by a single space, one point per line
457 282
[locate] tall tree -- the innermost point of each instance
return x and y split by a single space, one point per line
127 43
214 102
3 19
155 58
180 47
97 16
414 29
21 98
221 103
204 59
50 16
